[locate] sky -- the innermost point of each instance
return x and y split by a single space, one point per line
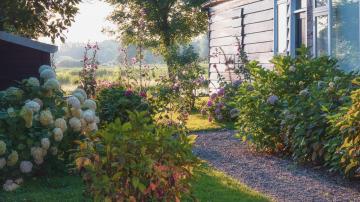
89 23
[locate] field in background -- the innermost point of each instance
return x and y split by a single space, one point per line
69 77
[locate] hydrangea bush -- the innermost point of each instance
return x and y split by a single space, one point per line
38 126
137 161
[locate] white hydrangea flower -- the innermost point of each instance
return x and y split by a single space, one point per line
61 123
92 127
90 104
46 117
44 67
74 102
75 124
80 97
54 150
10 186
52 84
11 112
45 143
39 102
37 152
14 93
26 166
2 147
27 115
89 116
12 158
19 181
2 163
47 74
58 134
76 112
33 106
292 68
331 84
304 92
33 82
81 91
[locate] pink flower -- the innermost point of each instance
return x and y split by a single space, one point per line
221 92
210 119
213 96
143 94
210 103
128 92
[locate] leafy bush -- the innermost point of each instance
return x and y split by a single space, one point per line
344 153
38 126
288 110
114 103
137 161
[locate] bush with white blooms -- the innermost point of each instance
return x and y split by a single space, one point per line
39 124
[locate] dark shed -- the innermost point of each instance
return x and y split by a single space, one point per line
21 57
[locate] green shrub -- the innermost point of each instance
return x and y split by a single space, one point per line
137 161
297 109
114 102
38 126
344 152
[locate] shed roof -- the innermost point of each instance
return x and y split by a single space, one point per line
211 3
27 42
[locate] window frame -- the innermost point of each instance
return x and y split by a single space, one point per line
317 12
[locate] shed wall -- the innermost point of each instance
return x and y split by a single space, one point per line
248 23
18 62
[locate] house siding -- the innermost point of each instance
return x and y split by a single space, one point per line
248 23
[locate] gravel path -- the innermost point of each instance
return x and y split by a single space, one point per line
278 178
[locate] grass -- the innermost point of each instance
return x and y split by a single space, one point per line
197 122
209 185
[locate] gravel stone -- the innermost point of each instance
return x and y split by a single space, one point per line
279 178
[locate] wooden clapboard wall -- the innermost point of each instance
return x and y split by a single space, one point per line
252 22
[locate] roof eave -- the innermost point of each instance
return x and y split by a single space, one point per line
22 41
211 3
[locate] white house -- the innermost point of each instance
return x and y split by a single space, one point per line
263 28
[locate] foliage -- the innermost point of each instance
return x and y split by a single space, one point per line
345 131
35 18
38 126
163 24
88 72
287 109
137 160
115 102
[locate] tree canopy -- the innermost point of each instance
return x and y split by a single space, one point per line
159 24
35 18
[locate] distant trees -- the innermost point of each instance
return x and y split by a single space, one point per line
162 24
35 18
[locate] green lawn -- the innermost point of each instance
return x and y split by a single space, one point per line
209 186
197 122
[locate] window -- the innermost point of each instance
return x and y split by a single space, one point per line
321 27
299 26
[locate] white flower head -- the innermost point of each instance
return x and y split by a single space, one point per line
292 68
272 99
10 186
2 163
11 112
12 158
89 116
2 147
61 123
46 117
90 104
331 84
47 74
26 166
76 112
36 152
52 84
79 96
304 92
81 91
58 134
33 106
33 82
39 161
39 102
45 143
45 67
75 124
74 102
92 127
